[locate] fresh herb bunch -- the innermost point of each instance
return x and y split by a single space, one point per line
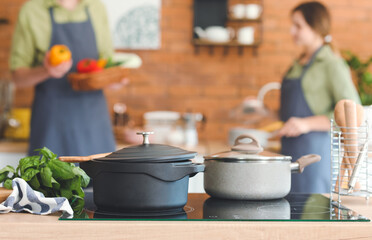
112 63
54 178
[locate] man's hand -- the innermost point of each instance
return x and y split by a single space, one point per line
56 71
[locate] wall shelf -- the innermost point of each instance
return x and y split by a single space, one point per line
235 19
216 13
233 43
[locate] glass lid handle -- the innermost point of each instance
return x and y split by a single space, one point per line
145 137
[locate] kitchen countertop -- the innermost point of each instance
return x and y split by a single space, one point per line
28 226
204 147
7 146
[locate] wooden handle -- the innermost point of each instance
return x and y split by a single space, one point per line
351 138
307 160
339 113
4 194
344 180
78 159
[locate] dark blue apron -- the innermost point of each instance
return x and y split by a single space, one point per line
70 122
316 177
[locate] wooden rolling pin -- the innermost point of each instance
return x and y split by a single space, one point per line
4 194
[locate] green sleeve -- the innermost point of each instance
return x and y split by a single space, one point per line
341 85
103 33
23 46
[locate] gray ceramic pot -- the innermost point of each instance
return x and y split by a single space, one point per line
249 173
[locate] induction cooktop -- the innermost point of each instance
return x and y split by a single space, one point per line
201 207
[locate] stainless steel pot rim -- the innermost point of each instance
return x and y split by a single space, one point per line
241 156
234 160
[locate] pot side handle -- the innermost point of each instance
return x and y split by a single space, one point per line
199 167
304 161
252 148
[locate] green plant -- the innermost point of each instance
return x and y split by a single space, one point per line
52 177
364 76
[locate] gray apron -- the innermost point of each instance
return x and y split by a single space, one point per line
70 122
316 177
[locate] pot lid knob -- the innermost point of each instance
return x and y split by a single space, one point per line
145 137
253 147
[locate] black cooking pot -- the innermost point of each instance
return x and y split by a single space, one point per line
143 178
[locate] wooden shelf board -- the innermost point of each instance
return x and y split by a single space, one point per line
235 19
232 43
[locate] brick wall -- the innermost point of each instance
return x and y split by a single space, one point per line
175 78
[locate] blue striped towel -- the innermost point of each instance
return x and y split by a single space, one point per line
24 198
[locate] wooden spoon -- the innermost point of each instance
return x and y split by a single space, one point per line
352 123
79 159
341 122
4 194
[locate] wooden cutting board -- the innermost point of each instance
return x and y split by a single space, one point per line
4 194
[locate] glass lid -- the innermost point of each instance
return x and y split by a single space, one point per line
147 152
235 155
247 148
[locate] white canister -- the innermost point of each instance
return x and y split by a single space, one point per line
245 35
238 11
253 11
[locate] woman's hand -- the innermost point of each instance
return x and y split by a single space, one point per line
294 127
56 71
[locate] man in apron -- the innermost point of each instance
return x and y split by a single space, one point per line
66 121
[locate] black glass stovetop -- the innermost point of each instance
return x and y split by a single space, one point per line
201 207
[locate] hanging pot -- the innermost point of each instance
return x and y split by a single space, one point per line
249 173
142 178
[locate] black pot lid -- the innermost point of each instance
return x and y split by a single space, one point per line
147 152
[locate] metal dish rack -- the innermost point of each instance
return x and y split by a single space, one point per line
346 146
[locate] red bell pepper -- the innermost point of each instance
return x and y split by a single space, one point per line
88 65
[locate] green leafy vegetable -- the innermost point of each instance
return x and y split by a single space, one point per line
84 177
7 169
3 176
28 162
112 63
60 170
8 184
5 172
46 177
54 178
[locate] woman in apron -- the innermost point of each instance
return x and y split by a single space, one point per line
66 121
310 89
